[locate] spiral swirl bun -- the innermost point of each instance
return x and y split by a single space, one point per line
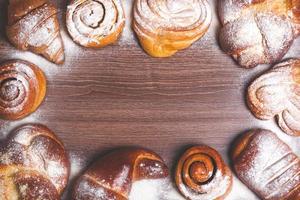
22 89
202 174
95 23
166 26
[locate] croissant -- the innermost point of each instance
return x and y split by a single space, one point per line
33 25
202 174
267 166
95 23
276 93
22 89
165 27
258 32
33 165
113 175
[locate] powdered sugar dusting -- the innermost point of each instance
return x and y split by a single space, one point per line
273 36
94 193
240 191
121 178
164 27
268 166
91 23
127 34
275 93
77 164
153 190
33 147
38 31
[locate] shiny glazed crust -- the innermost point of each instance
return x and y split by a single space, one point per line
267 166
201 174
166 26
22 89
258 31
112 176
95 23
33 164
277 93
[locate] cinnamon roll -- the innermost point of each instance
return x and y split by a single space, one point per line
277 93
201 174
95 23
267 166
166 26
22 89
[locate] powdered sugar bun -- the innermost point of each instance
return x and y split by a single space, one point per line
166 26
277 93
258 32
22 89
267 165
95 23
112 176
33 25
33 164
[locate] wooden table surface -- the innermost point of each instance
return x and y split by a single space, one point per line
119 96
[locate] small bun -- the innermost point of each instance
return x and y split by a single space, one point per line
112 176
33 25
165 27
258 32
22 89
33 164
276 93
201 174
267 165
95 23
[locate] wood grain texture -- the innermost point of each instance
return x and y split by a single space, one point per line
119 96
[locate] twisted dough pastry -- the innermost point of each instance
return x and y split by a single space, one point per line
33 165
202 174
166 26
277 93
258 31
22 89
112 176
33 25
267 166
95 23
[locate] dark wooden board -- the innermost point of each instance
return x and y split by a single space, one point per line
119 96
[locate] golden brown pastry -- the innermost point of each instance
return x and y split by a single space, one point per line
166 26
22 89
113 175
33 25
201 174
267 166
277 93
33 165
95 23
258 31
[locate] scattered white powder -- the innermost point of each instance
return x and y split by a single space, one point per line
153 190
240 191
121 178
77 164
128 36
